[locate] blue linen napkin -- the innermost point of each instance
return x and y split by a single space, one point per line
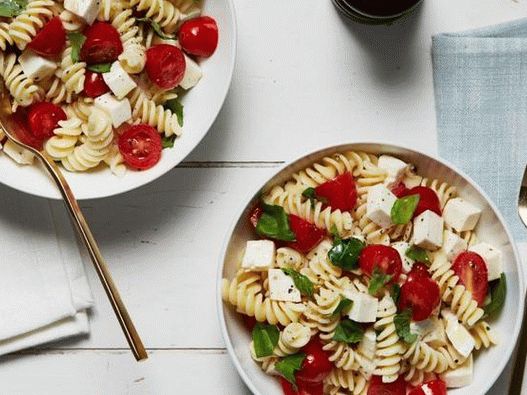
480 80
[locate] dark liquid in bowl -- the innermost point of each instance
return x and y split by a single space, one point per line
381 7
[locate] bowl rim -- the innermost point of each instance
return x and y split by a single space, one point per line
347 146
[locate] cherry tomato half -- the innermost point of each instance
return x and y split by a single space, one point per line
307 235
49 41
377 387
433 387
384 258
17 122
399 190
473 274
317 366
94 84
165 65
140 146
43 118
419 270
255 214
428 200
421 295
340 192
103 44
199 36
303 388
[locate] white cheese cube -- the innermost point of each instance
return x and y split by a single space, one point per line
402 247
20 155
364 308
395 168
430 331
36 67
492 258
460 337
461 215
259 255
85 9
281 287
452 244
379 205
119 110
422 328
368 344
118 80
192 74
461 376
428 230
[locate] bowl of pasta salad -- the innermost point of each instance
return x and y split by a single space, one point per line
369 269
118 92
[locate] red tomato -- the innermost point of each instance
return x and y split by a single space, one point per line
419 270
199 36
249 322
473 274
428 200
255 215
303 388
421 295
43 118
18 123
94 84
307 235
377 387
140 146
399 190
341 192
102 45
317 366
49 41
433 387
382 257
165 65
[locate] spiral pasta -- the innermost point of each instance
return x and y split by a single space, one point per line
72 74
26 25
115 161
133 58
319 269
57 93
318 315
352 381
63 143
21 88
71 22
5 38
288 257
81 108
483 335
161 11
292 338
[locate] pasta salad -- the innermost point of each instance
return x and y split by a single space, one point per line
96 82
366 278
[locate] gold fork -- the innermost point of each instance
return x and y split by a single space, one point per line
8 127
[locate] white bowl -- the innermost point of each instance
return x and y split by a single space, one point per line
202 105
491 227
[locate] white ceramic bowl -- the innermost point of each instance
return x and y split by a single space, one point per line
202 105
491 227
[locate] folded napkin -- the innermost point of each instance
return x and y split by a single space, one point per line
480 79
44 292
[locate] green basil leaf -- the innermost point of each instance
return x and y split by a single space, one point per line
345 253
343 306
418 254
100 68
403 209
265 339
377 281
176 107
402 326
289 365
156 28
12 8
274 223
348 331
311 194
498 293
168 141
395 292
76 40
304 284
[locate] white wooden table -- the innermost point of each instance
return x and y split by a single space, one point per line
304 79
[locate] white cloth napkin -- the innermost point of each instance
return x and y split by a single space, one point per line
44 293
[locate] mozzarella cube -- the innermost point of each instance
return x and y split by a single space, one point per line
192 74
368 344
428 230
431 331
422 328
85 9
36 67
118 80
461 215
492 258
281 287
259 255
460 337
20 155
461 376
402 247
379 205
395 168
452 244
364 308
119 110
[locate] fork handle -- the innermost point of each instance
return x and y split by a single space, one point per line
101 267
515 387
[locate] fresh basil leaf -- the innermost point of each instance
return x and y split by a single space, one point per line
12 8
345 253
77 40
348 331
176 107
274 223
402 326
265 339
343 306
100 68
289 365
311 194
403 209
418 254
498 293
304 284
156 28
377 281
168 141
395 292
